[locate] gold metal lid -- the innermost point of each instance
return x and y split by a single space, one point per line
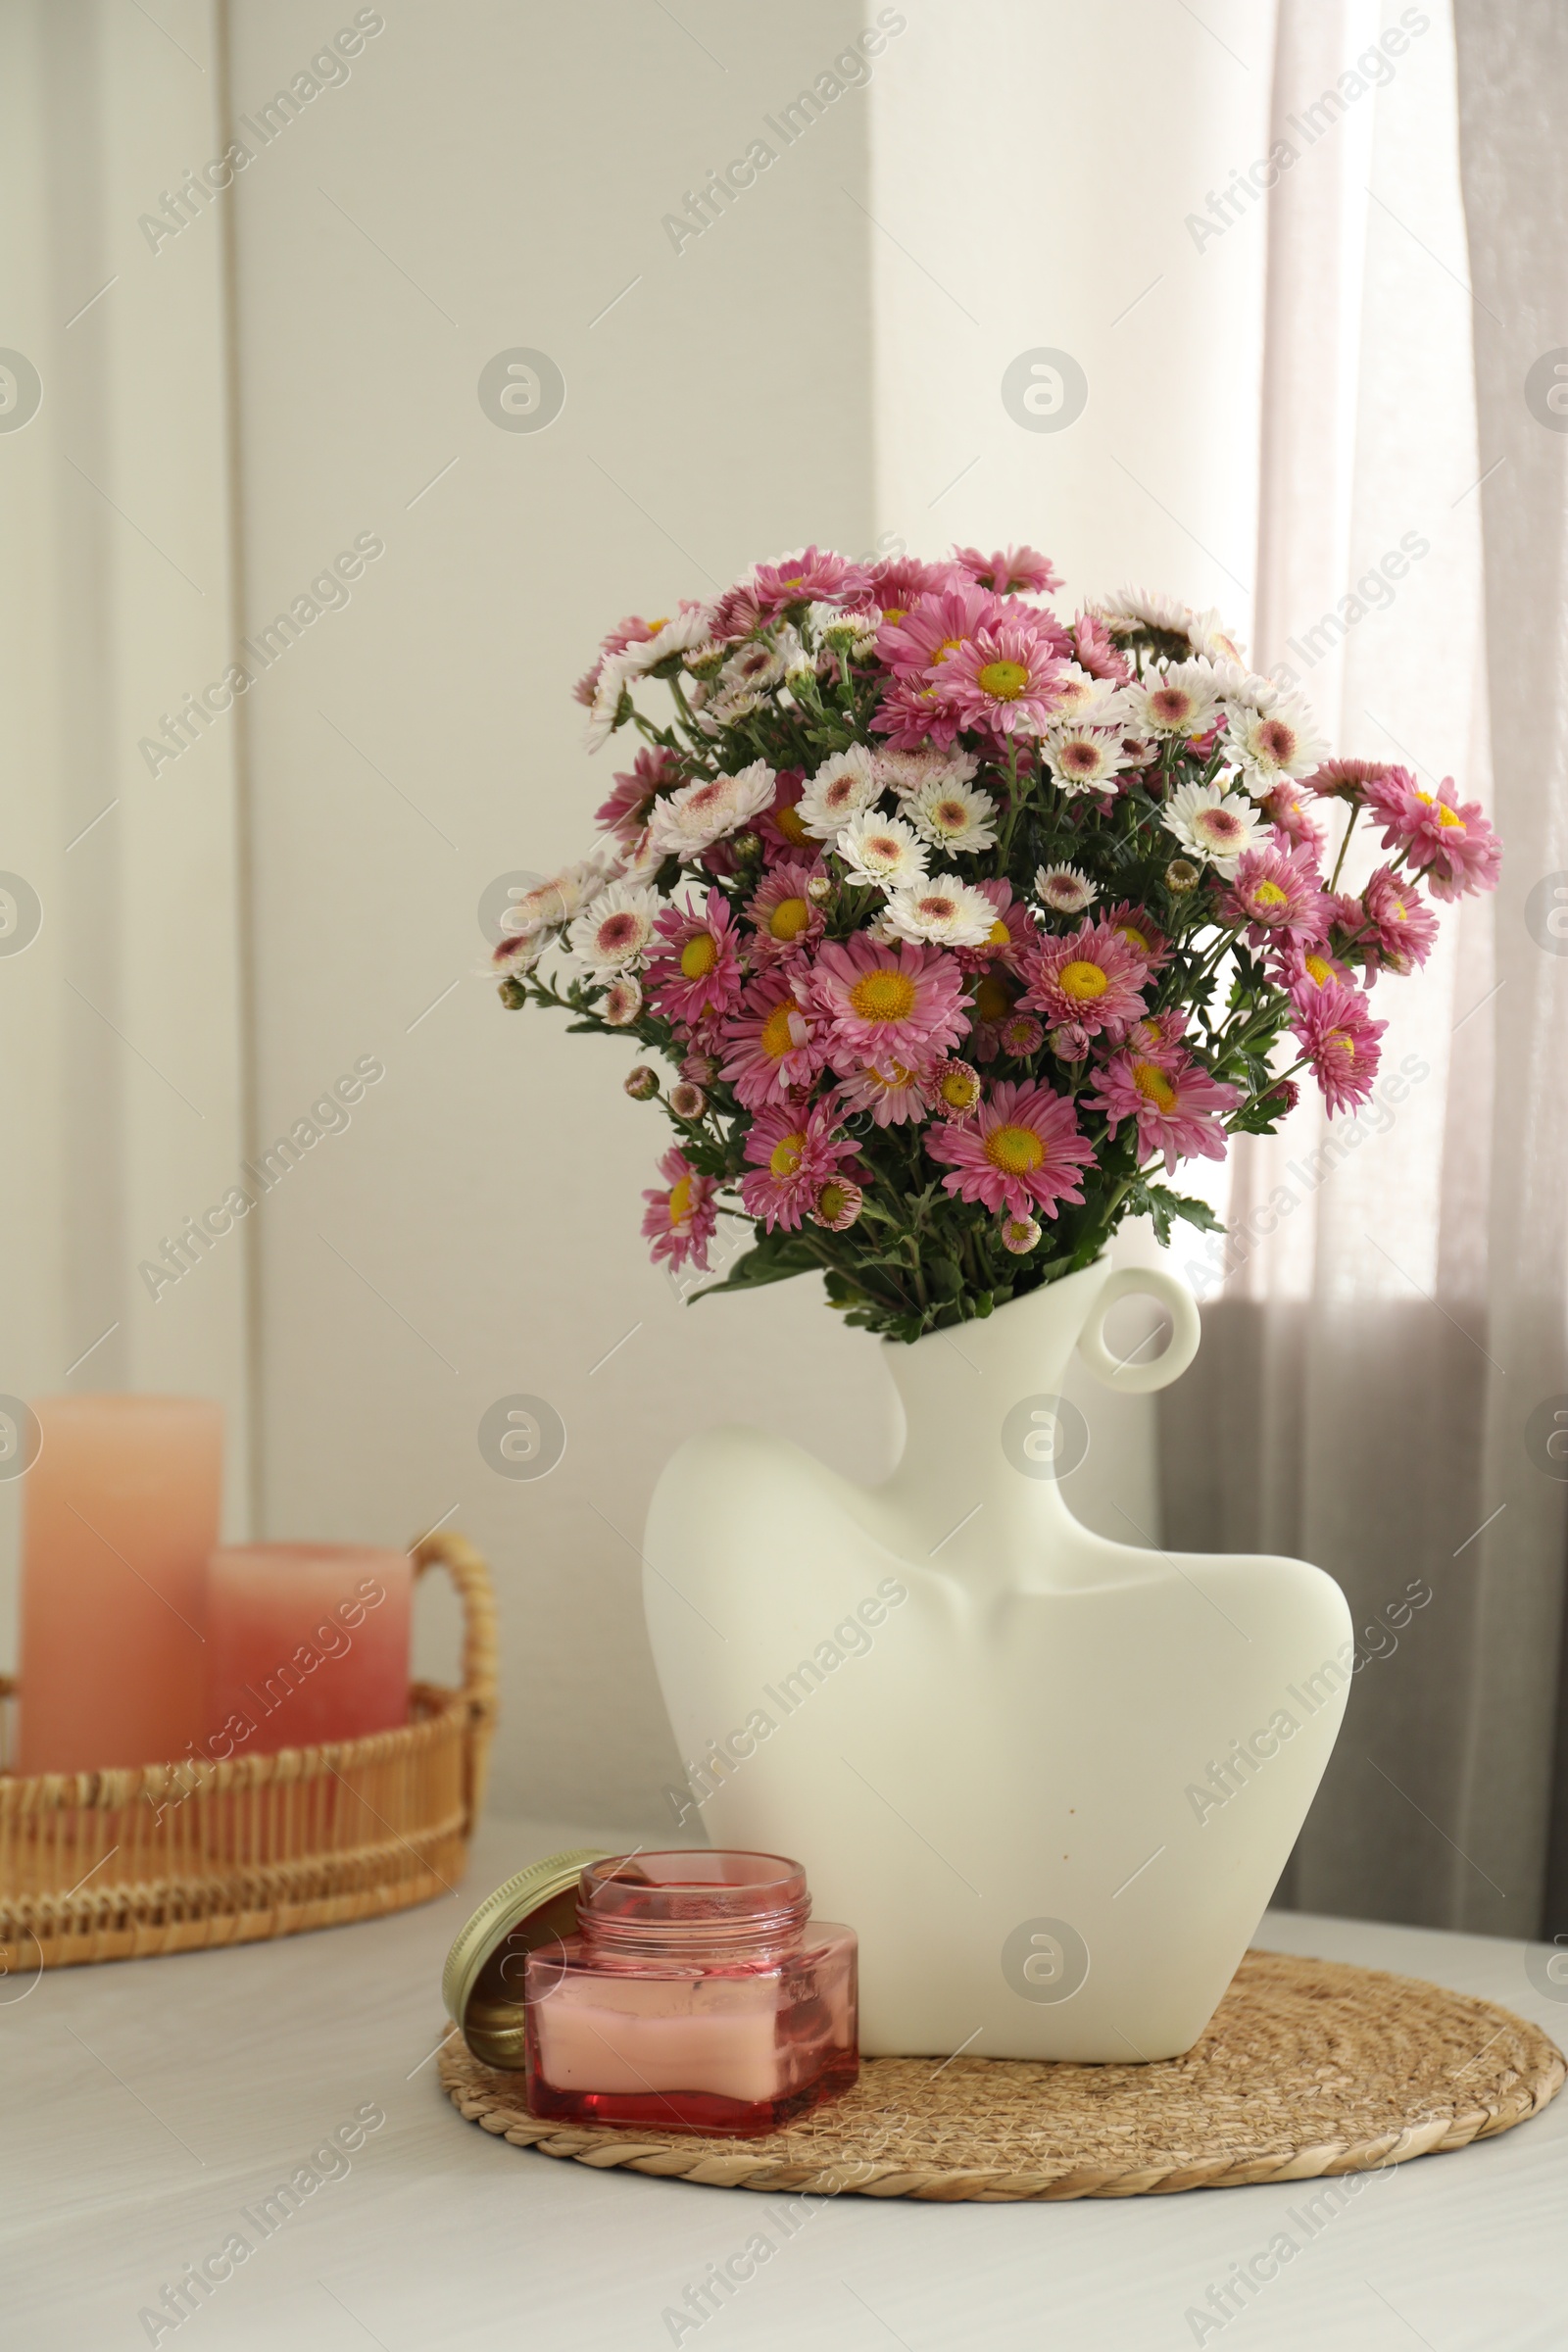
480 1981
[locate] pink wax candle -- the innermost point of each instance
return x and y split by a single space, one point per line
120 1511
305 1642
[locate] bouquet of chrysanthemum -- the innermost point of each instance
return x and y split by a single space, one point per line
956 921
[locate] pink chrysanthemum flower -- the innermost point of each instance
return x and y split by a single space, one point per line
1276 896
934 629
1290 966
913 717
884 1003
1022 1152
694 975
1403 931
1158 1034
954 1088
1091 978
815 575
1175 1103
1339 1041
1344 779
1097 651
890 1091
786 919
625 813
791 1152
1070 1042
633 630
1288 813
1449 840
1020 1235
1021 1036
1138 929
1005 678
838 1204
1010 934
737 613
901 580
585 689
772 1046
681 1222
1009 569
780 827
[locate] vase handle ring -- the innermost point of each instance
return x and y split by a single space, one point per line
1132 1378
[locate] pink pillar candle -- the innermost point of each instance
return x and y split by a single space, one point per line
305 1642
120 1511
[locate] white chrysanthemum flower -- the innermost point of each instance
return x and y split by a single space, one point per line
1212 636
799 662
624 1001
758 665
904 772
692 819
1084 758
1216 825
613 929
1173 698
1274 744
1143 609
551 904
1065 890
840 789
612 676
952 814
1079 696
677 636
728 706
882 849
1234 682
941 911
851 632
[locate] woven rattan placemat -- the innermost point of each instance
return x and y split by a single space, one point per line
1307 2067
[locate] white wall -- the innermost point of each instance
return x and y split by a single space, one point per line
493 176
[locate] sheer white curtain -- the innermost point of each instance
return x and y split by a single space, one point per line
1387 1310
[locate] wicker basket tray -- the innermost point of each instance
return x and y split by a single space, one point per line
116 1865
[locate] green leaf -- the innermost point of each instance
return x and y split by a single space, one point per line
776 1256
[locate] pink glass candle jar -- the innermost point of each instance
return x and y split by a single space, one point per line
698 1994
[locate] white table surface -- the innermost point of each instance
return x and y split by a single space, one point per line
143 2103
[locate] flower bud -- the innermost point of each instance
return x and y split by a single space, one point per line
513 996
819 888
1181 876
624 1001
687 1102
837 1206
642 1083
1019 1235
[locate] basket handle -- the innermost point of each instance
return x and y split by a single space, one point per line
480 1651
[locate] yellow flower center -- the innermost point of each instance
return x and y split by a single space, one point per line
788 823
1154 1085
946 650
778 1039
789 918
662 622
998 936
1016 1151
1135 939
991 999
1445 815
1082 981
1343 1042
1320 971
890 1079
883 995
785 1157
699 956
832 1200
1269 894
1004 681
894 613
680 1199
958 1090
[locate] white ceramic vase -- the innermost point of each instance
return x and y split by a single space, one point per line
1052 1780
